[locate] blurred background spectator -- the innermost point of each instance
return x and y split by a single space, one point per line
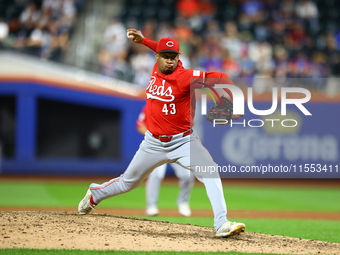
3 31
40 27
243 38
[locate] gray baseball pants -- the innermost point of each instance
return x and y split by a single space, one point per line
186 151
185 182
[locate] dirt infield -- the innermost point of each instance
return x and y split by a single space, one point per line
64 230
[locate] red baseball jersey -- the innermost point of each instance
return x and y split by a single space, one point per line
170 98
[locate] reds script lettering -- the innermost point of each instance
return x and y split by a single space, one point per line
155 91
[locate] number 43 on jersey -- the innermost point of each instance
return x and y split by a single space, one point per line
169 109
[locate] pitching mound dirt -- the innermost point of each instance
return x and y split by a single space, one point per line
64 230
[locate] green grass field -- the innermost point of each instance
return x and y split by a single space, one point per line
68 194
54 194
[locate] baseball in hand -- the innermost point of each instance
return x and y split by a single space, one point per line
130 36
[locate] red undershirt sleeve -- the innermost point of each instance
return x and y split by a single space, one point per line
150 43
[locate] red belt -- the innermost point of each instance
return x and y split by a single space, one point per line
168 138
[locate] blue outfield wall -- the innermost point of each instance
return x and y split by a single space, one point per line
25 160
311 149
258 147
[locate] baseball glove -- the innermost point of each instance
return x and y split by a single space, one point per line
221 111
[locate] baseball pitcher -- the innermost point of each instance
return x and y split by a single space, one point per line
170 138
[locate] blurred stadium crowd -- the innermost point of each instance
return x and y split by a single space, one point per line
243 38
38 27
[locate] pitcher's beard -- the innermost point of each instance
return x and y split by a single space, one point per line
167 71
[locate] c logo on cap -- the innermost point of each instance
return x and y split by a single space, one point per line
170 44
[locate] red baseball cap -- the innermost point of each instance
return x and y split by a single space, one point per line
169 45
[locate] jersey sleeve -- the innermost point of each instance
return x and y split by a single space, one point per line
150 43
212 78
207 80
